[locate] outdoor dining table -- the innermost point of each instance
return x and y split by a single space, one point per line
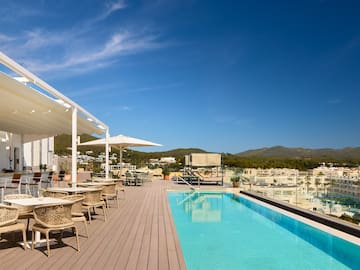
36 201
71 190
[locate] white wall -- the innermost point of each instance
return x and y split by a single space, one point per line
39 152
8 143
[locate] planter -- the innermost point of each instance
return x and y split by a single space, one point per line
235 184
166 177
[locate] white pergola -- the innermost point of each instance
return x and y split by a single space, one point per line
36 114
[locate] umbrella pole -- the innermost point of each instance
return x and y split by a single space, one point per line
121 158
107 155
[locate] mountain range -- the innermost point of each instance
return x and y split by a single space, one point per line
63 142
348 153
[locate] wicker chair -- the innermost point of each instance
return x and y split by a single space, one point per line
8 218
54 194
94 199
53 218
109 193
25 212
76 210
119 187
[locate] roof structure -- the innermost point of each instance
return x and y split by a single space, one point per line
27 111
43 112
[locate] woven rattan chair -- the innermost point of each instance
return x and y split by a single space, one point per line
8 221
93 199
119 187
76 210
25 212
109 193
54 194
53 218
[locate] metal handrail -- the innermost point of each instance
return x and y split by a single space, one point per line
186 182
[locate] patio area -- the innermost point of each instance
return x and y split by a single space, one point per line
140 234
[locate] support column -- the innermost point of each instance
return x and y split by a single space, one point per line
107 154
74 147
21 154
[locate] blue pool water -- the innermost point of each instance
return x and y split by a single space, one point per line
222 231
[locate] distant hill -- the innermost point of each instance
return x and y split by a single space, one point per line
348 153
272 157
62 143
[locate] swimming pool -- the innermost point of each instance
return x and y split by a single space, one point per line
222 231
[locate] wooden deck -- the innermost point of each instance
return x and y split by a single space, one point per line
140 234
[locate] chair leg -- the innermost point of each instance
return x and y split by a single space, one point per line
32 238
89 215
27 224
24 238
86 228
47 243
103 207
77 239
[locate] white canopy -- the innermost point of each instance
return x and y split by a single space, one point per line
121 142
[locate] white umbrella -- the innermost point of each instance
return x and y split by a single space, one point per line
121 142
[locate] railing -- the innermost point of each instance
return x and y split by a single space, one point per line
184 181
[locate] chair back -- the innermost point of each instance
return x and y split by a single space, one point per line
61 175
16 178
77 203
54 194
109 189
22 209
50 176
36 177
93 197
8 215
54 215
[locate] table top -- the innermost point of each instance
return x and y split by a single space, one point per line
106 180
95 183
37 201
70 189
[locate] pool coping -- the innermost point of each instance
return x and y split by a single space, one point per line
331 225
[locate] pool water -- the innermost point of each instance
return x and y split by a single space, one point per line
223 231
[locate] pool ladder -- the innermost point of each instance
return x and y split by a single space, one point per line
186 182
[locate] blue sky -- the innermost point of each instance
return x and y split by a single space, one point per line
224 76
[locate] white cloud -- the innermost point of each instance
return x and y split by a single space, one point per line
95 57
125 108
78 49
110 8
5 38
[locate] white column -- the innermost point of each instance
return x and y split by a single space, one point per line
21 154
74 147
107 154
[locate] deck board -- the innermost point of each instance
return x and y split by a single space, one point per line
140 234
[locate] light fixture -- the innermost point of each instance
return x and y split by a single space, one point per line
22 79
